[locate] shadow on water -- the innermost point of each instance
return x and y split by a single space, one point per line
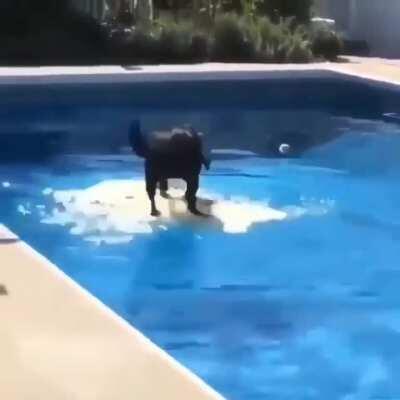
238 175
371 222
168 258
167 302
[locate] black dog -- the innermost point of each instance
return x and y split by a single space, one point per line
177 153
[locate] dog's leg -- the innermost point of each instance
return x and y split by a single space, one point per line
151 186
164 188
192 187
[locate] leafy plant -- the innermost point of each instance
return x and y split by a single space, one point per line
200 47
232 41
326 44
180 42
299 51
283 41
300 10
143 47
45 32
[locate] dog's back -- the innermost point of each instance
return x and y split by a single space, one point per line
169 153
176 143
174 154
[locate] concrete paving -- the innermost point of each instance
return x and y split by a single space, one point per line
371 68
58 342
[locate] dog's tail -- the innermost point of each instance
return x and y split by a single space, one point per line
205 159
136 140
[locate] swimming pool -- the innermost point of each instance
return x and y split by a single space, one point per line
290 294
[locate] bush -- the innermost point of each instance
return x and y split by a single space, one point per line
299 51
273 39
300 10
167 43
44 32
282 43
276 9
142 47
200 47
174 42
48 32
326 44
231 41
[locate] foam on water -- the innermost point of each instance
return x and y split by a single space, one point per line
114 211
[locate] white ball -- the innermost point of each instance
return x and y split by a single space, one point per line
284 148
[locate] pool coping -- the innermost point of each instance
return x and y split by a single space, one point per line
372 70
153 374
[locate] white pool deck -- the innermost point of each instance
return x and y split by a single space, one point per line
377 69
57 341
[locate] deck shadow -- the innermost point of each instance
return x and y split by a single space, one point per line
9 241
3 290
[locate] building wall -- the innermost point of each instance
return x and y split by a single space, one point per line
335 9
379 23
376 21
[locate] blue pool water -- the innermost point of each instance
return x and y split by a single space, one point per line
304 308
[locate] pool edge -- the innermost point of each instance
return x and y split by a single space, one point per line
176 377
375 70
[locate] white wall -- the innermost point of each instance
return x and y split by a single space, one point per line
376 21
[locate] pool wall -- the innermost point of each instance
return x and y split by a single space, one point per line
91 114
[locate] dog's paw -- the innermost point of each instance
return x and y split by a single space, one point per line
155 213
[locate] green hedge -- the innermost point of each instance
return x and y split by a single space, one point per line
259 40
326 44
275 9
45 32
48 32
